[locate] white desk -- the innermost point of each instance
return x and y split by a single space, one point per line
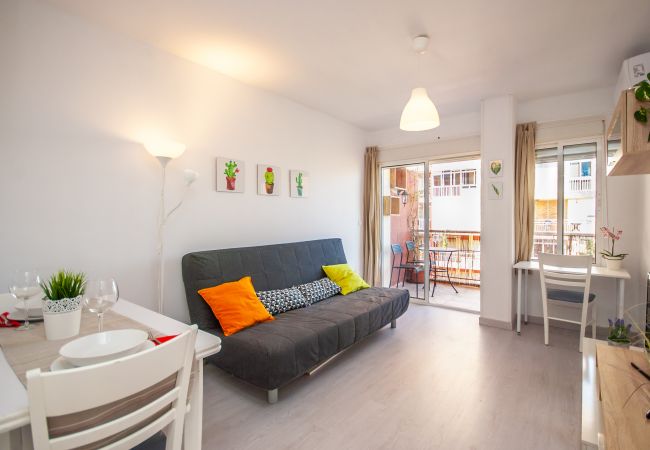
619 275
13 404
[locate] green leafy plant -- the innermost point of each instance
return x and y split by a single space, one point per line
269 176
642 94
299 180
619 332
64 284
231 169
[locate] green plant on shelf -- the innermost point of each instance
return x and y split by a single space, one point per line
64 284
642 94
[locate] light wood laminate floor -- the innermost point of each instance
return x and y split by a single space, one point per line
437 381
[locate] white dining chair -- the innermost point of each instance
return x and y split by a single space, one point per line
117 404
565 288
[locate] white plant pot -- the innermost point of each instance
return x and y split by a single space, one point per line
613 263
62 318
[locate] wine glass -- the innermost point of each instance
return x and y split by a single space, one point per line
100 296
25 284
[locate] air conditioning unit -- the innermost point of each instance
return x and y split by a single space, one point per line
633 70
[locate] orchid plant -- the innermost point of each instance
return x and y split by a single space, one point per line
613 236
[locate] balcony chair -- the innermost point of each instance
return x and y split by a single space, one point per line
411 254
558 272
404 265
123 403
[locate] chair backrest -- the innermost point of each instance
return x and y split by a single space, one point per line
410 251
396 249
565 271
115 404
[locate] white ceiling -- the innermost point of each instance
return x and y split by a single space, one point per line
352 59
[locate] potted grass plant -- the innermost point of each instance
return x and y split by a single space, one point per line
62 304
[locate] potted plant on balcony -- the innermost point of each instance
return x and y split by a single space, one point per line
619 333
612 260
269 180
62 304
231 175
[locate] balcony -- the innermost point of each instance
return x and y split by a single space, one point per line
576 242
464 264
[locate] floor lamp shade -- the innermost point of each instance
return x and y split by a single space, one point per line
420 113
165 149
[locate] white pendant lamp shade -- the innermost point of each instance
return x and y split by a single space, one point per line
420 113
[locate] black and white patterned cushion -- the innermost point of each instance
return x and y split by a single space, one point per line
319 290
282 300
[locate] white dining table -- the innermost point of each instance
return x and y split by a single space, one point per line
14 414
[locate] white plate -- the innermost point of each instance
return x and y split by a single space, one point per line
34 306
104 346
61 363
20 316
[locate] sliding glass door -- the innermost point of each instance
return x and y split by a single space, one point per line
404 234
431 231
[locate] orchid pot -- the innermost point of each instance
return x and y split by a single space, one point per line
613 263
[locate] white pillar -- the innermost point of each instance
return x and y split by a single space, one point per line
497 215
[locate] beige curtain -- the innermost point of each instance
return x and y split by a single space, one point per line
371 218
524 190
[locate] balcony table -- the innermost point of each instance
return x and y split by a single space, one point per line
435 268
619 275
14 414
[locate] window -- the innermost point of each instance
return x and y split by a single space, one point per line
565 200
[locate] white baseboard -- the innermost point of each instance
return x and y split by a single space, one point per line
504 325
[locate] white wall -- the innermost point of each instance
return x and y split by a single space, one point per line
497 216
77 190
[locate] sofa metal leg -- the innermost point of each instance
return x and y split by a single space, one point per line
393 323
272 396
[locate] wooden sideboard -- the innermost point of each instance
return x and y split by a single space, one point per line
615 398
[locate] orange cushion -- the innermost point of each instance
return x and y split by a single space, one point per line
235 305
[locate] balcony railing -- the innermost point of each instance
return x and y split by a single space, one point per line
465 264
580 184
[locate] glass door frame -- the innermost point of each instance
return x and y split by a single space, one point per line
426 161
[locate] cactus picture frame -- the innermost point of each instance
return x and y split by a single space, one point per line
268 180
231 175
299 183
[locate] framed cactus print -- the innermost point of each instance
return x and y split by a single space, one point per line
231 175
268 179
299 183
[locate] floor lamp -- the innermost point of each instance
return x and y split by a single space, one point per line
165 151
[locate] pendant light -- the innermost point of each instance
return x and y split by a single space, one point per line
420 113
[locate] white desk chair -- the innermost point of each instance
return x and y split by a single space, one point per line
117 404
572 272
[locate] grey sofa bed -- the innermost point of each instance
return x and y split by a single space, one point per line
271 354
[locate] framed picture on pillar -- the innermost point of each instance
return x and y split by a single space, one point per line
495 168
